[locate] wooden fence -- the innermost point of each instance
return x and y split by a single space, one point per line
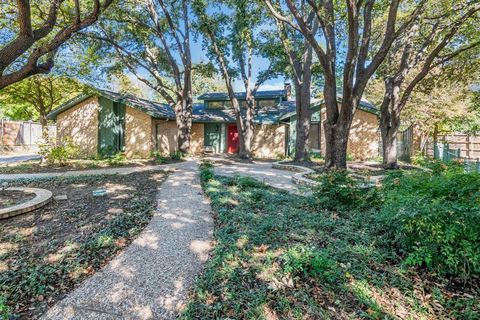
21 135
467 146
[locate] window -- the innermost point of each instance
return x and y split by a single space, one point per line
267 103
214 105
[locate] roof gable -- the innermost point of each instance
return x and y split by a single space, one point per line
153 109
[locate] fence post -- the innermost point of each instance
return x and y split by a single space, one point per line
458 153
478 164
445 152
468 146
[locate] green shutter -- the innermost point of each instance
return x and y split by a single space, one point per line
111 127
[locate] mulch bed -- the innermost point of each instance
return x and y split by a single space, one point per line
45 253
10 198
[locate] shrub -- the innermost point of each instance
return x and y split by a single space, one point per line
206 172
437 166
338 191
434 219
58 151
176 155
116 159
310 262
160 158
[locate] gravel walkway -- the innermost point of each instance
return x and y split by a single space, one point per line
151 278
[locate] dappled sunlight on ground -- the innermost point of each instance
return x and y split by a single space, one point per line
151 278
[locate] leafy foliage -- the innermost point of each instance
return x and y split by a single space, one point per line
55 151
285 256
434 218
339 191
35 97
310 262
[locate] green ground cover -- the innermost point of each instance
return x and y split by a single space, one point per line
344 252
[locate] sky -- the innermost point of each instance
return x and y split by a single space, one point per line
258 63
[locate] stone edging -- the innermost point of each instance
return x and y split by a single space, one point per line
299 177
42 197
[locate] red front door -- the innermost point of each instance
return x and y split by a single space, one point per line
232 141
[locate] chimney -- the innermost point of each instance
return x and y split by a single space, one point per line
288 90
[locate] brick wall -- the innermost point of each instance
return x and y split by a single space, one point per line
138 133
197 141
166 136
269 141
81 124
363 142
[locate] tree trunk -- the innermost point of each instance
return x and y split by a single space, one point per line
390 124
330 97
183 112
389 148
44 122
249 124
302 92
242 148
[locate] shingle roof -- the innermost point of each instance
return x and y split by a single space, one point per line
223 96
315 103
154 109
267 115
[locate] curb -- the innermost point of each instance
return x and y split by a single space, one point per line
42 197
299 177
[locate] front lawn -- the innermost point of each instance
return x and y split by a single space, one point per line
281 256
45 253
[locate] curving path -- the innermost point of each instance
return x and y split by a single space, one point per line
262 171
152 277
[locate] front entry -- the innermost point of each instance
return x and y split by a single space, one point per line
232 141
213 136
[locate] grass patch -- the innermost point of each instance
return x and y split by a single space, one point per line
281 256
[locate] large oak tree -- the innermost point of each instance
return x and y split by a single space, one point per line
344 47
443 32
32 33
232 41
151 39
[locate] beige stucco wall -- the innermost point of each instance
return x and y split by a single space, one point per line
269 141
138 133
80 123
363 142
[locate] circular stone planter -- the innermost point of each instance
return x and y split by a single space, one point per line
42 197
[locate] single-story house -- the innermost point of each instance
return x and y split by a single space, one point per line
109 122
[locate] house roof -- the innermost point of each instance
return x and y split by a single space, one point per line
152 108
265 115
223 96
316 103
